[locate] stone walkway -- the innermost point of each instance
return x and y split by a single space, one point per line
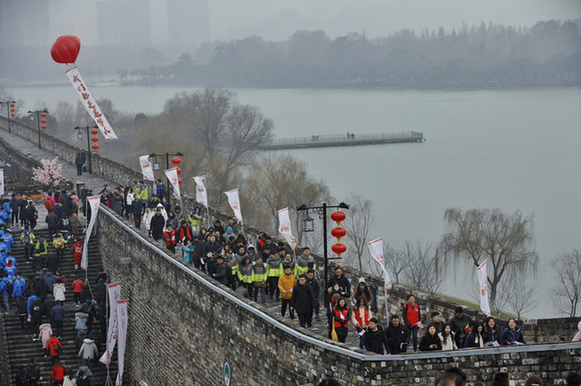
97 183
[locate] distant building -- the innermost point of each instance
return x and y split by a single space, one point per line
124 23
24 23
188 22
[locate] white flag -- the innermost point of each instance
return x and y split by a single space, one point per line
89 102
172 176
483 282
201 193
376 251
94 202
234 201
1 181
114 290
146 168
122 324
284 228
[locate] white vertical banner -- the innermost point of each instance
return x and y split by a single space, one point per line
172 176
114 291
94 202
234 201
201 193
284 228
146 168
1 181
122 319
89 103
376 251
483 282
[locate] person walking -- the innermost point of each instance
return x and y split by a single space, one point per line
78 286
274 272
286 283
341 316
490 333
397 335
374 339
57 374
460 325
412 317
313 283
157 225
88 351
259 280
57 316
44 334
360 317
54 348
342 283
222 271
302 302
430 341
244 276
79 161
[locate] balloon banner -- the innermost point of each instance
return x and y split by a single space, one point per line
483 280
89 102
284 228
1 181
146 168
376 251
201 193
172 176
114 291
94 202
234 201
122 317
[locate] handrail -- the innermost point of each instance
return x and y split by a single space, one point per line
5 349
344 138
326 343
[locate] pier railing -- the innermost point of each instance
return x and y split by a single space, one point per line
379 137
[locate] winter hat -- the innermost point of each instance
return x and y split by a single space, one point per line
251 246
362 280
500 379
228 229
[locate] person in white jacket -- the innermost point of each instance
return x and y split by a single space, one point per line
58 291
88 351
447 338
45 332
68 381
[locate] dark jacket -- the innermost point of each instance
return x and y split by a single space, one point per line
31 212
470 341
397 338
52 263
48 306
215 247
314 285
344 284
58 210
428 340
137 208
222 273
51 220
156 227
303 299
375 341
509 337
458 328
57 313
490 335
37 311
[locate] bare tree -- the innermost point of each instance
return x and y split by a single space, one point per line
507 241
567 291
358 224
395 262
521 298
422 270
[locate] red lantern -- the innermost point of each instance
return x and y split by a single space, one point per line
95 146
338 232
94 131
179 181
338 216
179 170
339 249
43 121
13 105
43 127
43 115
95 139
12 110
66 49
12 115
176 161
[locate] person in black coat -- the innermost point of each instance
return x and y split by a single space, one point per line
342 282
221 272
22 205
52 263
49 303
397 335
302 302
137 210
31 215
157 225
314 285
101 293
431 341
36 314
42 289
374 338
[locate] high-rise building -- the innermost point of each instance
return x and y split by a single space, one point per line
188 22
24 23
124 23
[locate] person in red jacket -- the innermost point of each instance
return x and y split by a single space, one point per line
54 347
184 232
58 372
169 237
78 253
341 319
78 285
412 317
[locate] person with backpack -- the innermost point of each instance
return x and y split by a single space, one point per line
84 375
28 240
6 289
78 285
54 348
32 373
412 317
58 372
40 254
77 253
36 315
58 315
18 287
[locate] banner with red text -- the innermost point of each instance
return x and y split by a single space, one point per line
172 176
114 291
376 251
234 201
483 282
89 103
122 319
94 202
201 193
146 168
284 228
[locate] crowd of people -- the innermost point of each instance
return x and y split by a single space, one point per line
40 299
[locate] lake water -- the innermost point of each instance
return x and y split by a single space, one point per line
513 150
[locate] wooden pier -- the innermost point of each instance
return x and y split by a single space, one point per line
342 140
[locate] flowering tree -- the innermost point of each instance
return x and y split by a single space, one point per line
50 174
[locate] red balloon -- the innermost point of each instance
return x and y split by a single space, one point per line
179 170
94 131
339 248
176 160
66 49
95 139
338 216
338 232
95 147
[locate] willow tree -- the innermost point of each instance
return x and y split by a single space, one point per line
506 240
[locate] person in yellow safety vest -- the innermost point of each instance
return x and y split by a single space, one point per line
40 252
143 192
244 273
259 280
274 271
302 263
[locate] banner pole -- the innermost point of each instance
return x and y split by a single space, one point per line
208 217
108 381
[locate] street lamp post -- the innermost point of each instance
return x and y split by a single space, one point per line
8 113
156 167
80 136
308 226
38 112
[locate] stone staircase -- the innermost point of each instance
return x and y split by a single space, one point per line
19 342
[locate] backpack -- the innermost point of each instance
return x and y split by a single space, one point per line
9 287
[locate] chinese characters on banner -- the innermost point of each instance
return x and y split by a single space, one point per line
201 193
94 202
483 282
89 103
284 228
146 168
376 251
172 176
122 337
1 181
234 201
114 291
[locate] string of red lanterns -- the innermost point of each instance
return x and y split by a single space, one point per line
338 232
13 110
176 161
95 139
43 121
